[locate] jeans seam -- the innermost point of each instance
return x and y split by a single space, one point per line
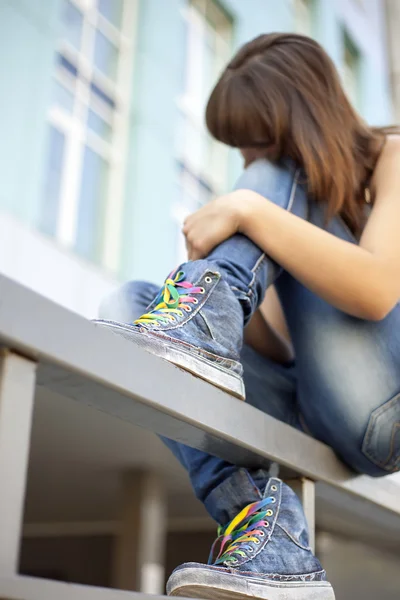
288 208
254 271
293 190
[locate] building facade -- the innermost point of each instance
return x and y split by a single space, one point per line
103 147
393 24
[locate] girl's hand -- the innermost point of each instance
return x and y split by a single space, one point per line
212 224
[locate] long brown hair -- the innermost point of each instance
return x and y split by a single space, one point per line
281 96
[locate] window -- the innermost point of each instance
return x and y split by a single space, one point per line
351 70
82 197
202 162
304 16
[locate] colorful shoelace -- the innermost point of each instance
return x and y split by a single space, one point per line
175 296
234 539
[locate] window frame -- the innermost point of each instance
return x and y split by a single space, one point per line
310 7
190 103
350 48
77 133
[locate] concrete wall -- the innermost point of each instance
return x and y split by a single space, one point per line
27 43
393 25
358 571
365 22
85 560
151 185
51 270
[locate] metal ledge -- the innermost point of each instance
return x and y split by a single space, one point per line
97 368
30 588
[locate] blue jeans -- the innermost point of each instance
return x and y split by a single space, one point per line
344 388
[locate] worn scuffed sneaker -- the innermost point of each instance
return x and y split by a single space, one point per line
195 322
263 553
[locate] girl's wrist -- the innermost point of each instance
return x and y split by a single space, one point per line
246 203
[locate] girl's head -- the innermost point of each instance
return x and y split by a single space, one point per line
281 96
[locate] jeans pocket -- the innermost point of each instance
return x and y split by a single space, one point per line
382 439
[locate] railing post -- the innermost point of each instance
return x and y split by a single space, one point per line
17 388
305 489
140 545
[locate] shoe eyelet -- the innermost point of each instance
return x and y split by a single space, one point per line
208 280
188 309
274 488
273 500
180 313
269 513
262 534
202 291
234 561
257 542
251 550
195 301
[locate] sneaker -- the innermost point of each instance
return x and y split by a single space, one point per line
262 553
197 326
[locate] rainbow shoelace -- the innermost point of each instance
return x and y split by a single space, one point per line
175 296
234 539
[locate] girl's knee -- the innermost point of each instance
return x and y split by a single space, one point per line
128 302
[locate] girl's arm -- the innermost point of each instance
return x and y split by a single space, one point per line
363 280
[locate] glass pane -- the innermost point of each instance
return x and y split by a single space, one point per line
105 55
92 205
72 20
67 65
62 97
52 182
99 126
112 11
98 93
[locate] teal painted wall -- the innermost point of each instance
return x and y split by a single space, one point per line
253 17
149 246
27 42
28 31
149 232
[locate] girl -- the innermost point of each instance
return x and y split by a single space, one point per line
316 213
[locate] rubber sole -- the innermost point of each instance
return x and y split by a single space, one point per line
203 583
196 365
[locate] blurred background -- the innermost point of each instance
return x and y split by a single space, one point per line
103 152
103 148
